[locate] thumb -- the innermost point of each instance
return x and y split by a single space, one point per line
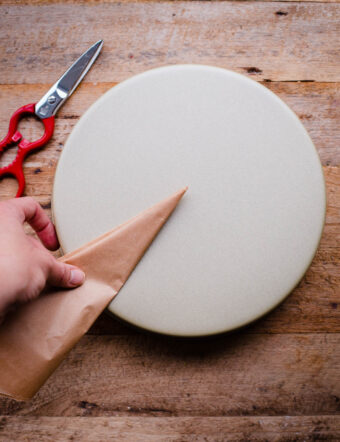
65 275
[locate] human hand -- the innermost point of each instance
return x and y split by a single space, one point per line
26 266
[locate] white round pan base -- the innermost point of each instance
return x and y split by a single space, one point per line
247 228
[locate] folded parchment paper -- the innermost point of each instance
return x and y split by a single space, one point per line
37 337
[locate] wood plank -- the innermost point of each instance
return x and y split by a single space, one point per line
140 36
316 104
158 429
235 375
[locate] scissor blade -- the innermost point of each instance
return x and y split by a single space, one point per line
73 76
66 84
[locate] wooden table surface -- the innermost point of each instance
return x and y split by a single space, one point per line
278 379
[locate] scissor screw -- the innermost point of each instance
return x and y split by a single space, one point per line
51 99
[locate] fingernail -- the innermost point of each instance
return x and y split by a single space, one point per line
77 277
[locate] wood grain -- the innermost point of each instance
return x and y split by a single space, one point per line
165 429
247 37
235 375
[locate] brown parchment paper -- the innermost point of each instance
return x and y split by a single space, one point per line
36 338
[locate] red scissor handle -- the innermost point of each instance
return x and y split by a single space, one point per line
24 146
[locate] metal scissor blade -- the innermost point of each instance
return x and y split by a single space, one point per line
73 76
63 88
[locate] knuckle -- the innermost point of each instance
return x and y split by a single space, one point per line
66 274
36 286
31 203
40 282
29 200
63 275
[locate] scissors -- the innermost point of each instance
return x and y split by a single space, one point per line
44 110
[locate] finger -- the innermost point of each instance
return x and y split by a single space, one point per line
30 211
64 275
